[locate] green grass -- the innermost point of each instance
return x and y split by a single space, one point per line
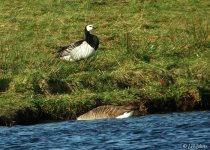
152 49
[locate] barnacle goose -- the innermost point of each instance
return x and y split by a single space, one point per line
109 111
80 49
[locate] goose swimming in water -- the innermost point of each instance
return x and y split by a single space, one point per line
109 111
80 49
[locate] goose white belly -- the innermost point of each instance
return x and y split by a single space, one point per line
80 52
125 115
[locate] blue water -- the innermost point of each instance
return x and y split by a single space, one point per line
162 131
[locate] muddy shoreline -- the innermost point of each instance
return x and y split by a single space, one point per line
186 103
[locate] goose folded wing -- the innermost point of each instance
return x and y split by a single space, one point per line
66 50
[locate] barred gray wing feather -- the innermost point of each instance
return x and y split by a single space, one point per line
66 50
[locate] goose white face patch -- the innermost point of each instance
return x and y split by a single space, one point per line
89 27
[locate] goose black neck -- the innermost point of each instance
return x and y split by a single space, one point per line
87 35
91 39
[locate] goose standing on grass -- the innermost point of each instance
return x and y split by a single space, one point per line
109 111
80 49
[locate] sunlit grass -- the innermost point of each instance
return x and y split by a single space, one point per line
155 49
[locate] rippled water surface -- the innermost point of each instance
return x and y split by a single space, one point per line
162 131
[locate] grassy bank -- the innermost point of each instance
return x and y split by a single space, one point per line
149 50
